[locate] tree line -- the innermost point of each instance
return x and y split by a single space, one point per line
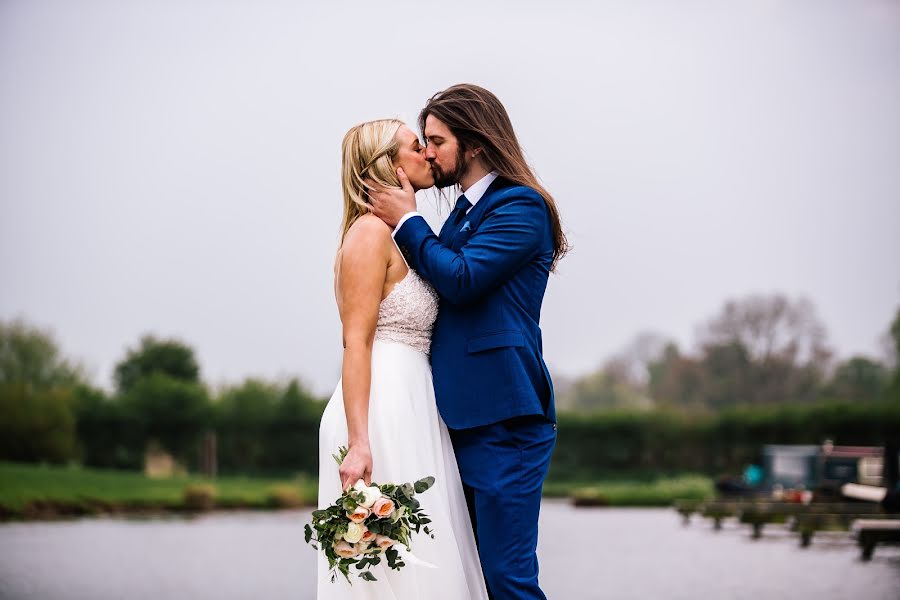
760 350
762 373
49 412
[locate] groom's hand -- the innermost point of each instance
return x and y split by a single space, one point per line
390 204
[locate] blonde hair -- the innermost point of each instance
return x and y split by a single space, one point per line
367 153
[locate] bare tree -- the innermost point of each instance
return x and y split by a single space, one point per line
765 348
631 365
770 327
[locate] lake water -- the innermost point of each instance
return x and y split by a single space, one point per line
616 554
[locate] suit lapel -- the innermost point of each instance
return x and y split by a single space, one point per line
474 215
447 229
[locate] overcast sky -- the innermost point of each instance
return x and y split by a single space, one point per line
173 167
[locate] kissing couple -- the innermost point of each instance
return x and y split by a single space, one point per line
442 369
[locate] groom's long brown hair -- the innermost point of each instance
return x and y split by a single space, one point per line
478 120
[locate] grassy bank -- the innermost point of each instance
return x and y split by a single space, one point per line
40 491
661 491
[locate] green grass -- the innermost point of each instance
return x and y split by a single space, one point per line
79 490
42 491
659 492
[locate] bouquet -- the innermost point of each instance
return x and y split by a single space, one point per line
366 524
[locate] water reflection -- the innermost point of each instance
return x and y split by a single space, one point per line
585 553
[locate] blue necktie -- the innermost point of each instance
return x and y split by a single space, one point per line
462 205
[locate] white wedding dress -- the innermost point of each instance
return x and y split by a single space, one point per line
409 441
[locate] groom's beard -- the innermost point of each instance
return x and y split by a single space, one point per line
444 179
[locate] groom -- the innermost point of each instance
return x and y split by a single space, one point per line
490 266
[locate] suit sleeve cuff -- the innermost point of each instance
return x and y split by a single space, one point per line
403 220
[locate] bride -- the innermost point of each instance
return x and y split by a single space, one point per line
384 407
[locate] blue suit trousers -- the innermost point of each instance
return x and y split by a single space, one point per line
503 466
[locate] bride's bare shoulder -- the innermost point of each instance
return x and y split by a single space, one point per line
368 233
365 250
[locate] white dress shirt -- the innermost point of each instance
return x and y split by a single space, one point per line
473 195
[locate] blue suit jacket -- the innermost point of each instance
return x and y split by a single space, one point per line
490 273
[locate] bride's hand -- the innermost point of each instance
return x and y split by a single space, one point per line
356 465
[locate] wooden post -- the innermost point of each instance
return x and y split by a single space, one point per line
868 549
805 538
209 455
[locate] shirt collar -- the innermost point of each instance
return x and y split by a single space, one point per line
477 189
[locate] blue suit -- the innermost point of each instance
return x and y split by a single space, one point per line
492 386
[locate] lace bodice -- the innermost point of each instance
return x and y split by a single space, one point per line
408 313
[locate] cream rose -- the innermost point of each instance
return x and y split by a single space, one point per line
359 515
384 542
370 493
383 508
345 550
354 533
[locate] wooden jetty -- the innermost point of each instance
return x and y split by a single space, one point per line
810 515
686 508
719 511
804 519
812 489
871 532
807 525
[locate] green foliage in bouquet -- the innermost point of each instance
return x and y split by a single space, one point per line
384 515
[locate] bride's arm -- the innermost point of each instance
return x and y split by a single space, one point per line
363 266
